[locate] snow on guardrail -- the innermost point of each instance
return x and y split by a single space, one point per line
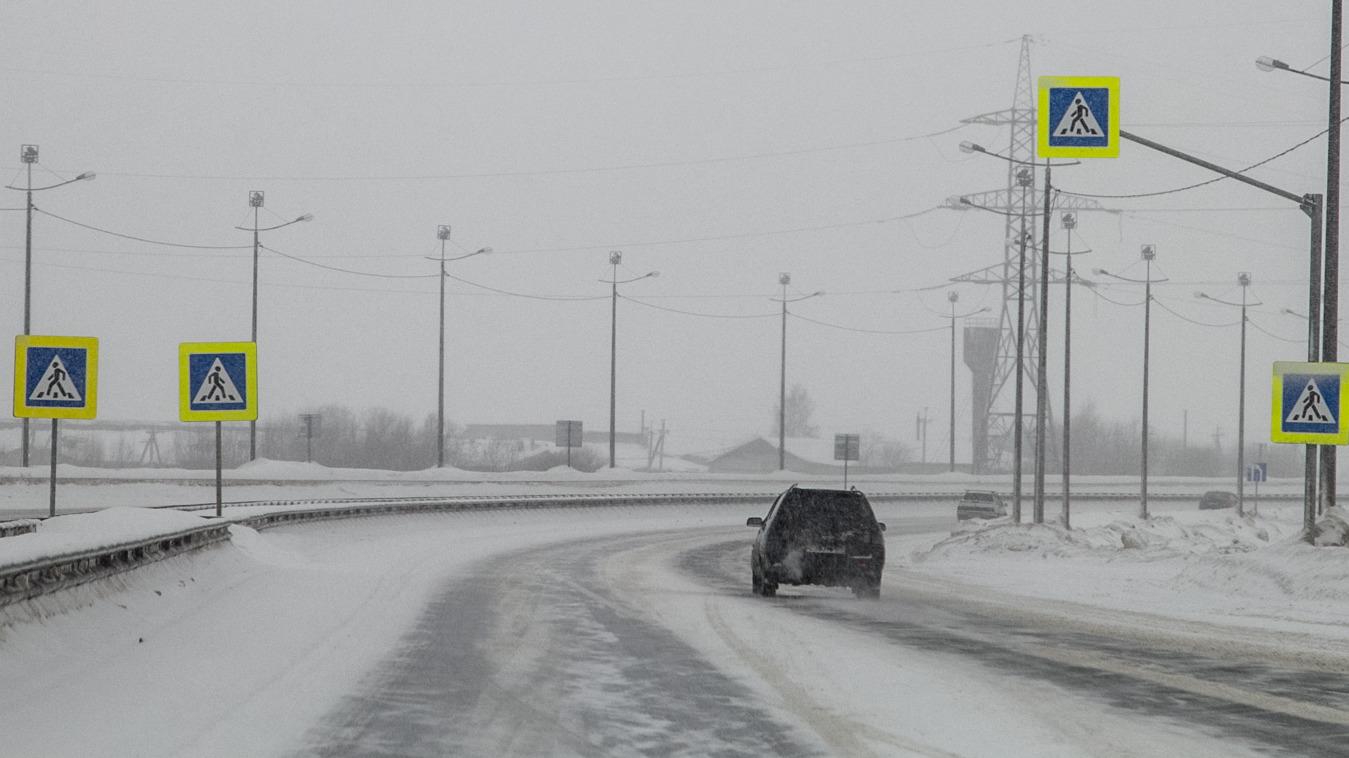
24 574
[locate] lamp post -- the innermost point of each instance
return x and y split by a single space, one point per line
443 234
29 155
785 279
1148 252
615 258
1069 221
953 298
255 200
1243 279
1329 316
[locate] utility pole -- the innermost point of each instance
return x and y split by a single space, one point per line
1069 224
443 234
1243 279
783 279
1149 252
1330 297
920 430
1042 370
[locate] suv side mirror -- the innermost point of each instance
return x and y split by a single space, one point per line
753 521
881 524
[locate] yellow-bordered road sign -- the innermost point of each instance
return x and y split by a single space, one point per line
218 381
1078 117
55 377
1306 403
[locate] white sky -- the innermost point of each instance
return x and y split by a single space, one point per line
386 120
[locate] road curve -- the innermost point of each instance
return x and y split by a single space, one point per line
591 648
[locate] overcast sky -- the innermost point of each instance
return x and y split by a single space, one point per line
719 143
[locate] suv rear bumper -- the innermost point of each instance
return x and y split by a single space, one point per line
830 569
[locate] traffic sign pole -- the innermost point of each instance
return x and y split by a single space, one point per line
219 478
51 511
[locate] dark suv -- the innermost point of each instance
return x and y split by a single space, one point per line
810 536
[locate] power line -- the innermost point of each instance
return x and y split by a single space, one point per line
544 172
1168 309
867 331
1268 333
695 313
338 269
1095 291
560 298
721 237
139 239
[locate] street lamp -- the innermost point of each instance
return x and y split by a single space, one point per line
785 279
1329 316
29 154
1243 279
255 200
443 234
615 258
954 297
1069 221
1148 252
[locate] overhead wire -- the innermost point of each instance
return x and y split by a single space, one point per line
1168 309
528 296
865 331
546 172
135 238
372 274
1256 326
695 313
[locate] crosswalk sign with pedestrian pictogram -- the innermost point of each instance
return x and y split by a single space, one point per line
218 381
1078 117
1306 403
55 377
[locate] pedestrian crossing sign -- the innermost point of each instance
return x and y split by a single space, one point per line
1078 117
1306 403
218 381
55 377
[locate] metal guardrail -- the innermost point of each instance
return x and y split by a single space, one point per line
18 526
40 576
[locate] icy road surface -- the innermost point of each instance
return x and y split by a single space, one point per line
622 632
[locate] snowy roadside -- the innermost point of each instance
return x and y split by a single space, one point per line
1207 566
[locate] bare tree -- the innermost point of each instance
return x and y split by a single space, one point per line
799 410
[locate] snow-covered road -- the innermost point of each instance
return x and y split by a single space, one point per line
621 631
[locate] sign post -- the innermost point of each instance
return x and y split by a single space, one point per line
1307 410
846 449
218 381
55 378
568 435
1255 474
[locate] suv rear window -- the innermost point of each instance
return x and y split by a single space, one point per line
984 496
827 512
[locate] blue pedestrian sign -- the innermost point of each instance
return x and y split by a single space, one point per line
55 377
1257 472
1306 403
1078 117
218 381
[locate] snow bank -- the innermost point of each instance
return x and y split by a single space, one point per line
1157 537
88 531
